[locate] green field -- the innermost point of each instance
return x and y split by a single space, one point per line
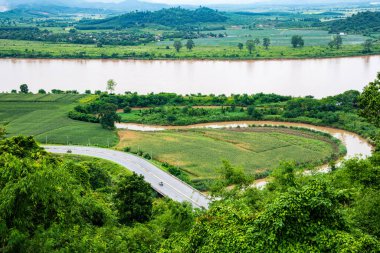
34 49
200 152
278 37
45 118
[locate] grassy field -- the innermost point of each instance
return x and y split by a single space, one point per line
29 49
45 117
200 152
278 37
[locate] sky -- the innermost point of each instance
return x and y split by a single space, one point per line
200 2
192 2
204 2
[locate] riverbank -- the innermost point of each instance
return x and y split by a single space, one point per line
43 50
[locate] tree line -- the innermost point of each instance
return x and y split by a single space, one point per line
96 38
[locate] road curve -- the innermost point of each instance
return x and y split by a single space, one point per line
172 187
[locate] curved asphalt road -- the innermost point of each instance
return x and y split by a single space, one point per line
172 187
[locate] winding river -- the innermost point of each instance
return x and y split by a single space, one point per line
317 77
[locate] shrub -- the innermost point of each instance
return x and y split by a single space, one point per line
127 109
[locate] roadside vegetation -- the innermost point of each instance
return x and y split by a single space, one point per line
65 204
59 204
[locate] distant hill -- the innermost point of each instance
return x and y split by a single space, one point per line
28 11
127 5
363 22
172 17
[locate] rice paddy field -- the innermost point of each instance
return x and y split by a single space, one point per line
200 152
45 118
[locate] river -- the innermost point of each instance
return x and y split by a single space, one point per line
316 77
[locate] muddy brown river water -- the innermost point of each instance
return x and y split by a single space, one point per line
317 77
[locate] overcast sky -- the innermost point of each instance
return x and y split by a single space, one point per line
200 2
204 2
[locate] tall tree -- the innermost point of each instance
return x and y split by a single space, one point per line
257 41
111 84
367 46
369 101
336 42
177 45
108 116
250 44
134 199
24 88
297 41
266 43
190 44
240 46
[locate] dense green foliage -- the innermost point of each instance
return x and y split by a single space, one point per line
97 38
369 101
301 214
24 88
97 112
172 99
362 22
297 41
51 205
173 17
134 200
189 115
